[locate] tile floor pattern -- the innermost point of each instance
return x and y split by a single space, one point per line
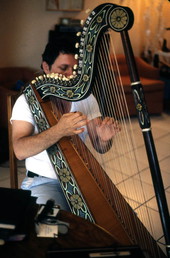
125 180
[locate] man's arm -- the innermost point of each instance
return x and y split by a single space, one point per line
26 144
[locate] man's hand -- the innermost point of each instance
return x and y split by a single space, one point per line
107 129
102 132
71 123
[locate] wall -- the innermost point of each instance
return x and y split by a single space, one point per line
25 25
24 31
151 17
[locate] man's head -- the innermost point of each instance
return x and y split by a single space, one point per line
58 56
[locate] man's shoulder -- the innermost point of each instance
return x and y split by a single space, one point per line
21 98
21 103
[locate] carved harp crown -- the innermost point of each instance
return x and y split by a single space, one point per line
105 16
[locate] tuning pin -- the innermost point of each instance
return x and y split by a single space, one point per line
75 66
76 56
56 76
71 76
33 81
60 75
39 78
77 45
65 78
78 34
52 75
82 22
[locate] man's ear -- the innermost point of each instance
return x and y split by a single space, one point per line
45 67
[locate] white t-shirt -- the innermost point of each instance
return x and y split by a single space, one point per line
40 163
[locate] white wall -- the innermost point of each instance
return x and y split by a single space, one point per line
24 26
24 31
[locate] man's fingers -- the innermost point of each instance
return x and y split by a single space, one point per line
79 130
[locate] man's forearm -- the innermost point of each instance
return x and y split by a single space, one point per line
31 145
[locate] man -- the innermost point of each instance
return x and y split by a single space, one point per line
30 145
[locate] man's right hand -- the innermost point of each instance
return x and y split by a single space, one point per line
71 123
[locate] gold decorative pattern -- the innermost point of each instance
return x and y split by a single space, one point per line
99 19
85 78
76 201
118 18
139 107
41 123
89 48
64 175
31 100
70 93
52 89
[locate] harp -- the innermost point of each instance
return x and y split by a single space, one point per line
90 191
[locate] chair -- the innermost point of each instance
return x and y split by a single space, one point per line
12 79
12 158
153 86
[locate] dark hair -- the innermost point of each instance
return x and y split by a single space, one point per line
62 44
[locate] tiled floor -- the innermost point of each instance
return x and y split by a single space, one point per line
134 182
4 174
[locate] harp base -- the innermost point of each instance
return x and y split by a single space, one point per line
130 252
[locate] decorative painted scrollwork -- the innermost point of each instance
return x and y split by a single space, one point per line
119 19
79 86
68 183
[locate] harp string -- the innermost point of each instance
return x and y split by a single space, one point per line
120 112
106 75
101 84
126 145
103 77
144 215
139 178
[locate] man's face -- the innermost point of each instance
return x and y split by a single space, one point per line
64 64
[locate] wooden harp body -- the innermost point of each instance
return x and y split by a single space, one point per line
89 190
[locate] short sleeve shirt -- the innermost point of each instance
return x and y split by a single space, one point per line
40 163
